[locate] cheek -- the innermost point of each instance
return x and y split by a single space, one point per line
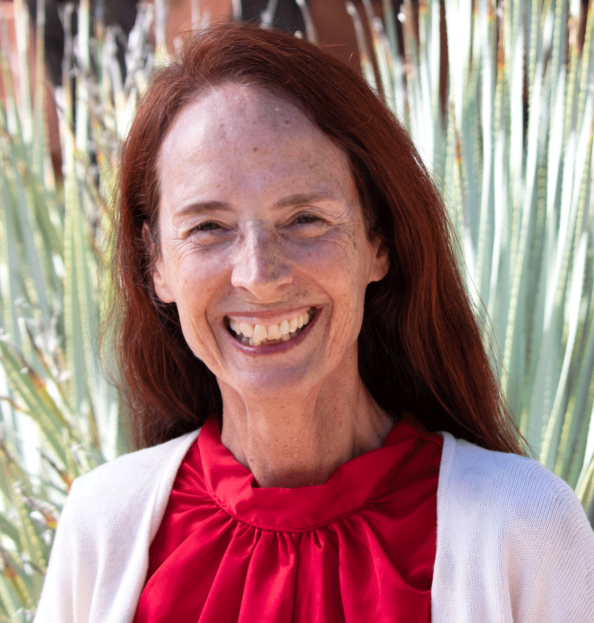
196 275
197 280
340 267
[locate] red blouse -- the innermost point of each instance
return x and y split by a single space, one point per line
360 547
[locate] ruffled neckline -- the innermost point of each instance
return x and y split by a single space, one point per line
360 547
353 485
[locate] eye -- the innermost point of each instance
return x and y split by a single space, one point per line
304 219
207 226
306 225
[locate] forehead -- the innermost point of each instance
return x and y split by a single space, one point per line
243 138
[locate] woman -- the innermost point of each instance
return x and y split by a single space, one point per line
287 288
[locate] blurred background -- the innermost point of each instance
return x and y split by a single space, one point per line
498 97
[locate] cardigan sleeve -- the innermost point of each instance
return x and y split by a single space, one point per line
554 534
99 557
62 599
514 543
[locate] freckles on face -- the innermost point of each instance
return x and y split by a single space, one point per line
259 224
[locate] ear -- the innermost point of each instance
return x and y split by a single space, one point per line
381 263
160 283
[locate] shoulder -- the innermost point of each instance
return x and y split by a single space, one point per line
100 552
507 488
515 536
515 513
128 484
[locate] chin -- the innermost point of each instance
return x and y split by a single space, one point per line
276 384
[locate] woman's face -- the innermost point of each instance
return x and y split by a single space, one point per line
263 247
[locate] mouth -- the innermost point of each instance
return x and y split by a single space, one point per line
288 329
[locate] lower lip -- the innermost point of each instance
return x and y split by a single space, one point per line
273 349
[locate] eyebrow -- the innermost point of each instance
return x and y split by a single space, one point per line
221 206
203 206
301 199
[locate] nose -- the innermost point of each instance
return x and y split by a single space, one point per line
259 264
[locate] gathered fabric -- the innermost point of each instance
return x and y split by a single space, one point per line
360 547
513 541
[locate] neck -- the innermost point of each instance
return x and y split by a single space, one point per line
302 440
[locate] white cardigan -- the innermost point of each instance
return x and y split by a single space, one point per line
513 542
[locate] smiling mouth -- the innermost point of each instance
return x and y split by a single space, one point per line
258 334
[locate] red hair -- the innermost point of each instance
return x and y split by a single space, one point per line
420 347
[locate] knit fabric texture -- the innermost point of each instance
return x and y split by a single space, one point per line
513 542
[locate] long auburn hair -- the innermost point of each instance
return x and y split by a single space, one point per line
420 346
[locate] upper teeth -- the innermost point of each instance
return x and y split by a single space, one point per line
256 334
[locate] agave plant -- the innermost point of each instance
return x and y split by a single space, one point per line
59 415
508 138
